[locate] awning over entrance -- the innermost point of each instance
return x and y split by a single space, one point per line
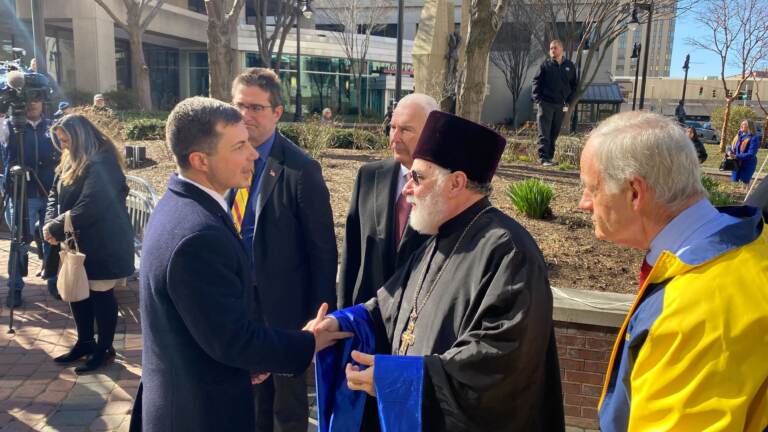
602 93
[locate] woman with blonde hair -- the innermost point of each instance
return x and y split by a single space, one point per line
91 186
743 150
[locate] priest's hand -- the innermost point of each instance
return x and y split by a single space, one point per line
325 335
361 379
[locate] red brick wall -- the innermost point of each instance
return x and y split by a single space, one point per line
584 353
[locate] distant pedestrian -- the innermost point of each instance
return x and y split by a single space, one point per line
554 87
701 152
327 116
680 112
388 119
64 109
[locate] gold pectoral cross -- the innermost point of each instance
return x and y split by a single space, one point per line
407 339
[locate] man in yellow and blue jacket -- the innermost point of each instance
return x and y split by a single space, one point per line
693 351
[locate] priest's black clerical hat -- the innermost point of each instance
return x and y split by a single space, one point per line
458 144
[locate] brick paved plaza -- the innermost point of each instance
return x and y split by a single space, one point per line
38 395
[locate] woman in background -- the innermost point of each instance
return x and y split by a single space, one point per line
91 186
743 150
697 144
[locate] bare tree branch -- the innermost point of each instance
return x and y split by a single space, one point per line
152 14
120 23
738 35
347 14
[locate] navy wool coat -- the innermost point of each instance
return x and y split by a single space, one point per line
200 338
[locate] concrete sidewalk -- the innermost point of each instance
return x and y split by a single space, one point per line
37 394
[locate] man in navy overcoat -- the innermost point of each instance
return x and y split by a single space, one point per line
201 341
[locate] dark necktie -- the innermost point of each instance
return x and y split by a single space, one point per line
645 270
402 209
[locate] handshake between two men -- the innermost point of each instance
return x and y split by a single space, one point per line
326 331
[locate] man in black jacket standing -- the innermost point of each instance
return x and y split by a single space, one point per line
286 224
554 86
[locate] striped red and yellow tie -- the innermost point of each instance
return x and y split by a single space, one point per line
238 206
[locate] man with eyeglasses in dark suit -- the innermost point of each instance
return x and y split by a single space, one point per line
286 224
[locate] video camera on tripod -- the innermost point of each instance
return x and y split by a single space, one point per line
18 88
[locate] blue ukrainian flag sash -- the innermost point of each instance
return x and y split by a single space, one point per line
398 380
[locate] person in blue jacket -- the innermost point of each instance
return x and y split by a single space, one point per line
41 158
744 150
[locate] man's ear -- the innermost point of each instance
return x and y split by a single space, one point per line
279 111
641 192
457 182
198 161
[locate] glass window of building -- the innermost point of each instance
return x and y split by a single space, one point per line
198 74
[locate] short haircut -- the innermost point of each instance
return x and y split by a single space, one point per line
263 78
650 146
426 102
191 126
557 42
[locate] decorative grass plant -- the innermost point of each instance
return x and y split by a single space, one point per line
532 198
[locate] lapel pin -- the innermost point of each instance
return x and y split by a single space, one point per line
272 173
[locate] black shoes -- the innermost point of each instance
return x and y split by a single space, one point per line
80 350
98 359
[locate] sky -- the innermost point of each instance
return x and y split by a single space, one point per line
703 63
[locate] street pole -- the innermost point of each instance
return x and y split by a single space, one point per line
398 74
297 113
647 50
38 34
685 80
636 53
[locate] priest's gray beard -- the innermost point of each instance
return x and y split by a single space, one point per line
427 214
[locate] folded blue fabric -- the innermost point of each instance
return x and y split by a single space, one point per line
399 381
340 409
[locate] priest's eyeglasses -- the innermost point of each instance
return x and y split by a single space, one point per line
416 177
254 108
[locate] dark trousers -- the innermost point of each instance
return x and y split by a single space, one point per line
550 118
281 404
101 306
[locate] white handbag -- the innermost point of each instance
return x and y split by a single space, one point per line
72 280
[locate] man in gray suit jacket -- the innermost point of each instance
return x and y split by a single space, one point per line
376 241
286 224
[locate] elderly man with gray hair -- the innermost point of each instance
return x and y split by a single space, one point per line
692 351
377 237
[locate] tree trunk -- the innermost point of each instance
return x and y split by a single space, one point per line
726 117
220 60
139 70
483 25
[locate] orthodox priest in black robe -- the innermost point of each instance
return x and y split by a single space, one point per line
463 333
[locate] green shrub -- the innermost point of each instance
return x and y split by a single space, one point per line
129 115
290 131
717 197
145 129
122 99
313 136
531 197
709 183
343 139
76 97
